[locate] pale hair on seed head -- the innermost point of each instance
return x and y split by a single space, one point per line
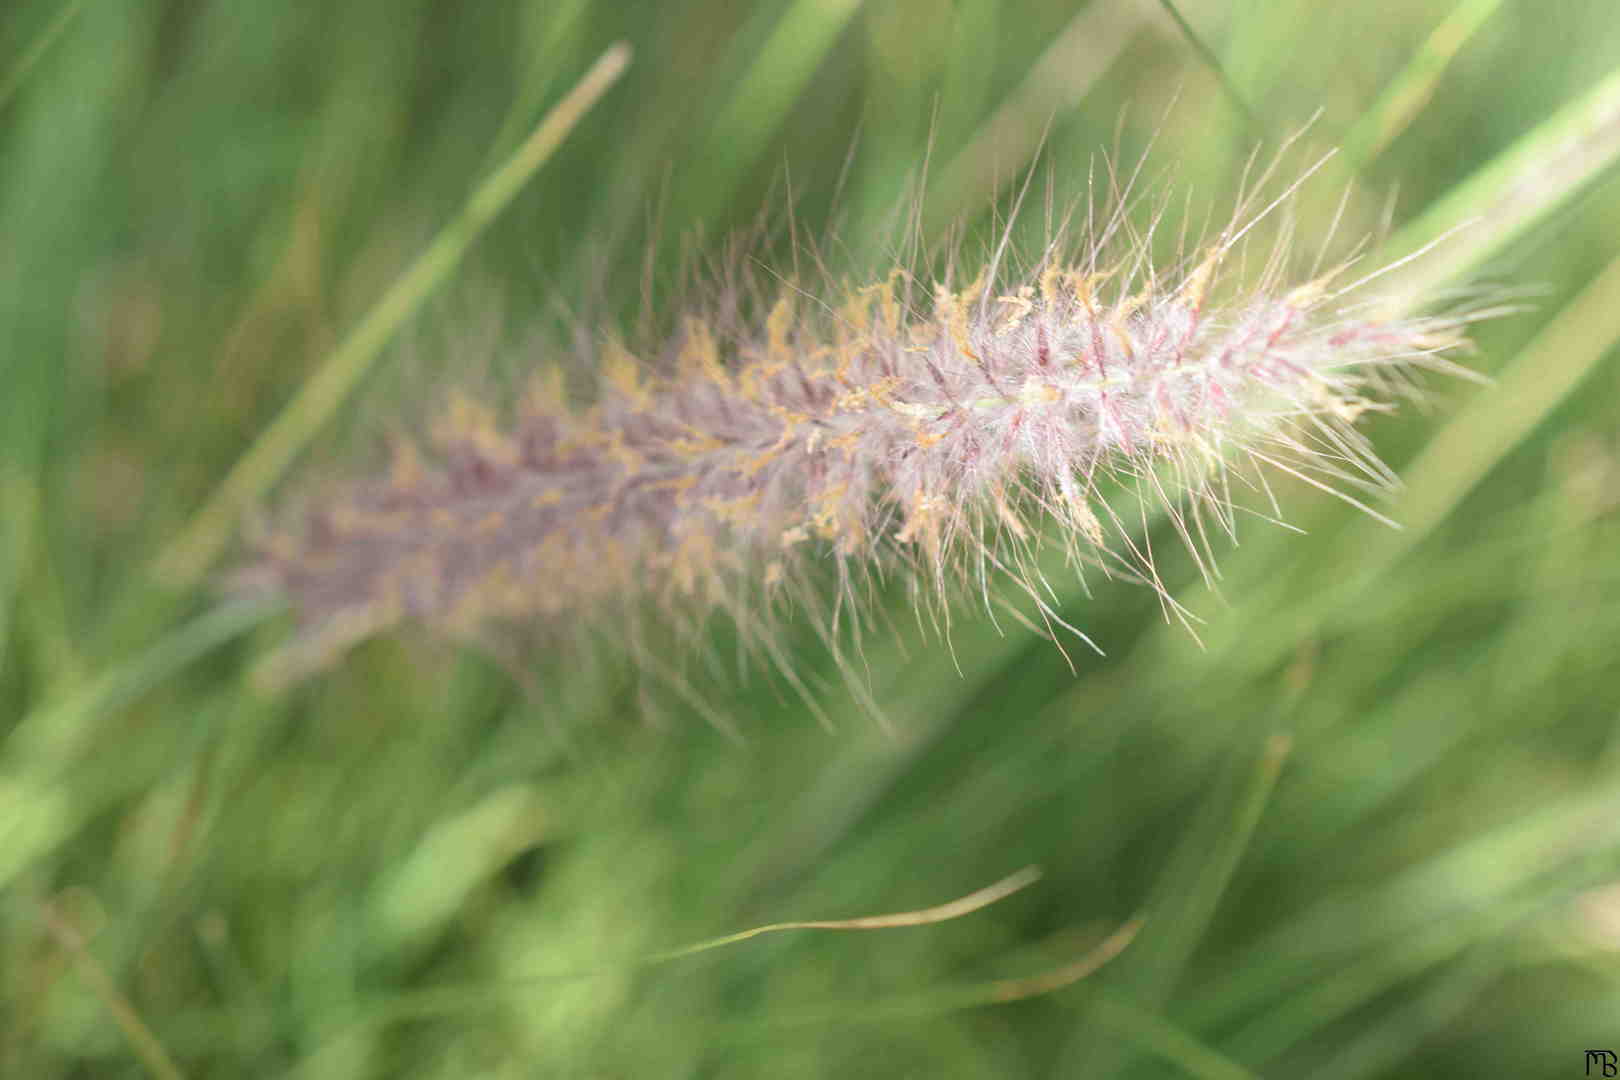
942 427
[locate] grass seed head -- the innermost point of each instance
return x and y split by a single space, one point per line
913 425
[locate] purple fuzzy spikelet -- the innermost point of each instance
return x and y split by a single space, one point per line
903 425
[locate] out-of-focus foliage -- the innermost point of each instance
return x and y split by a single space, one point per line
411 866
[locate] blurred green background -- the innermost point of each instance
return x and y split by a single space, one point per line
1372 823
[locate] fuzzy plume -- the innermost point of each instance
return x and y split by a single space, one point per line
935 429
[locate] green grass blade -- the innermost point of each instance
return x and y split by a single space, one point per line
1522 187
1154 1035
253 474
19 518
42 45
1058 81
1187 897
1447 901
51 732
1325 1001
1500 418
1454 463
769 88
1409 91
1213 62
1190 904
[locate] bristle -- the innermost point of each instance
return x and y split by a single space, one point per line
933 442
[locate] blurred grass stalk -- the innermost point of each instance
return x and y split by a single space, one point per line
772 84
1518 191
19 494
42 45
1057 82
205 536
1406 95
1186 898
51 734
